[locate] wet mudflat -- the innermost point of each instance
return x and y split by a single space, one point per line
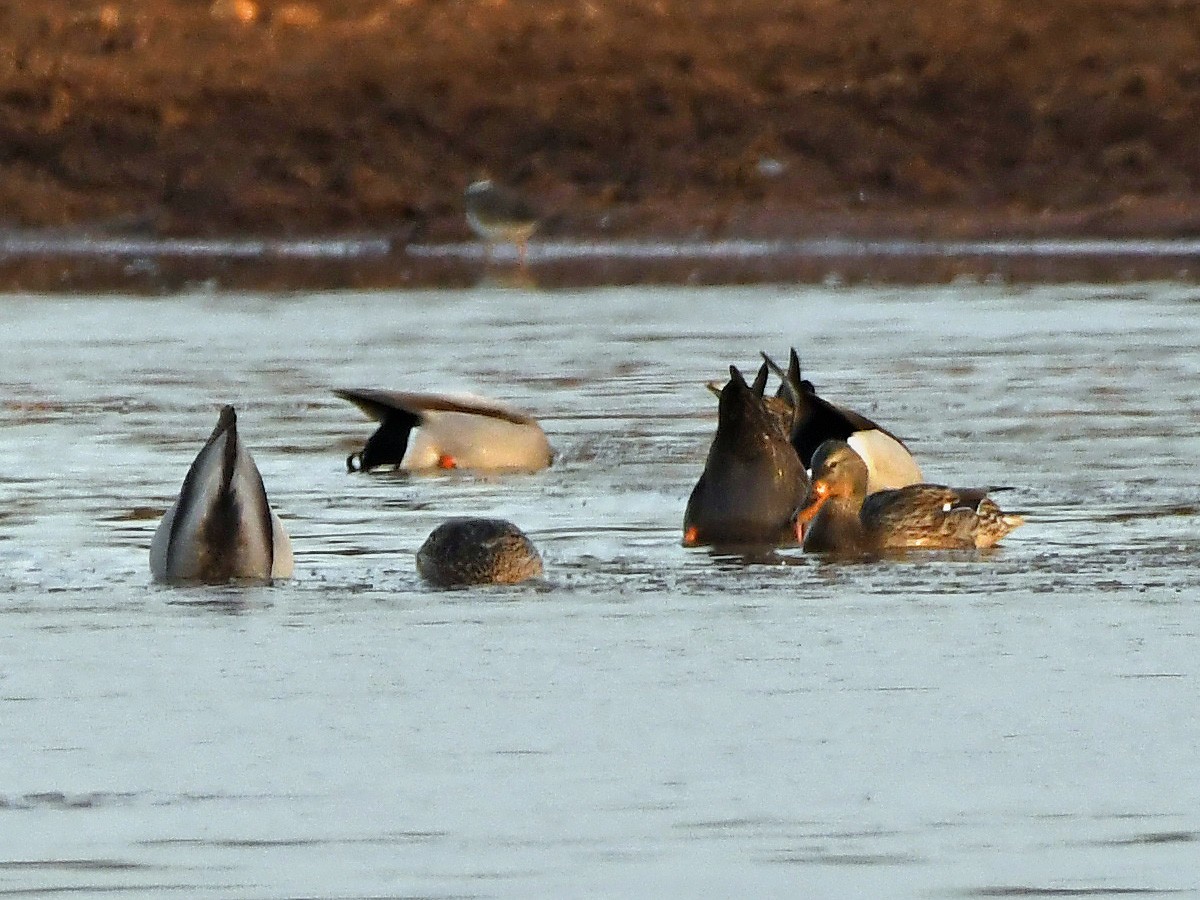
648 720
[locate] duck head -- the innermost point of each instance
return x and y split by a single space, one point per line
389 443
837 473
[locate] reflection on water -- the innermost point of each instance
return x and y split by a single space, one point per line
650 720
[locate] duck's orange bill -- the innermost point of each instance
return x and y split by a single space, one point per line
818 494
446 461
691 536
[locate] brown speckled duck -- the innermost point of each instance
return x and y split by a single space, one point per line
467 551
839 517
889 463
753 481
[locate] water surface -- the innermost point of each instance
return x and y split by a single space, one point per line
648 720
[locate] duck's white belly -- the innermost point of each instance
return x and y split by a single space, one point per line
476 442
889 464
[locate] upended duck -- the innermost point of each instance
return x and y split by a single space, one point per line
839 516
222 526
471 551
889 462
753 482
451 433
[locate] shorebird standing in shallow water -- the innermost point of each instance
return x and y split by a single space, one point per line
500 216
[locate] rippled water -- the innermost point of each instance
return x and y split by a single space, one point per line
649 721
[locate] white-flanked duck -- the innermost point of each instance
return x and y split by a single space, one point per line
452 432
840 517
222 526
889 462
467 551
753 482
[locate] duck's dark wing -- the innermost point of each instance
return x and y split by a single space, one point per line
789 379
379 405
817 420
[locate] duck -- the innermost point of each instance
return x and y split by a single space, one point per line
840 517
499 215
452 432
890 464
753 482
221 527
468 550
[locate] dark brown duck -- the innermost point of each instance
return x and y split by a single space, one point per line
753 481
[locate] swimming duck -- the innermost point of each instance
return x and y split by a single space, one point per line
889 462
466 551
840 517
753 482
222 526
452 433
500 215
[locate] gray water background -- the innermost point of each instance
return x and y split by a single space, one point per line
648 721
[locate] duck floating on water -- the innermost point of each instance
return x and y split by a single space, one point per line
470 551
451 433
889 462
753 482
840 517
222 526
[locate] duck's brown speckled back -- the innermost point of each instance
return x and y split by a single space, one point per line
466 551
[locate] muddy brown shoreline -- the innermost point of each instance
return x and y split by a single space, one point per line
468 265
620 119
